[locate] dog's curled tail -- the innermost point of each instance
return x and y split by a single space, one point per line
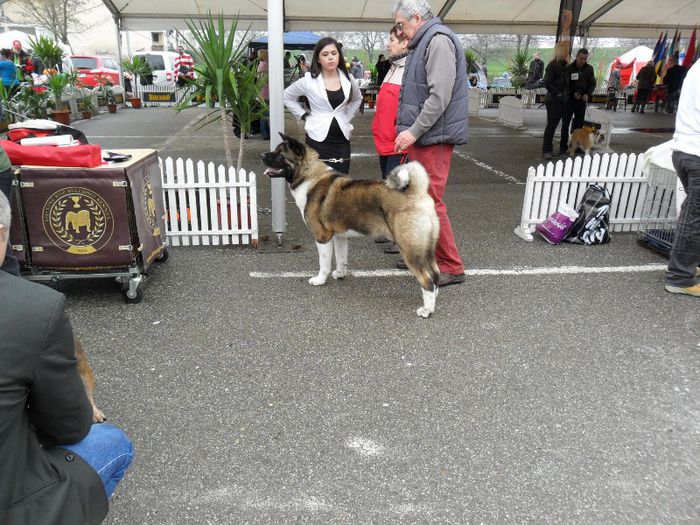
410 177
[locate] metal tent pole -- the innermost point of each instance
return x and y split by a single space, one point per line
275 47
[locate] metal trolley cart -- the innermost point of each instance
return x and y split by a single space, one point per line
662 202
76 223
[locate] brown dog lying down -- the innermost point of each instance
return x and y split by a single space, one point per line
88 377
585 138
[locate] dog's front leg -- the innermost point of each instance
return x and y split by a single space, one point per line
341 256
325 256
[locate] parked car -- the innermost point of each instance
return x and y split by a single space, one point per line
162 64
89 67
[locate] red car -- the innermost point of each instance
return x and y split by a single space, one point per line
89 67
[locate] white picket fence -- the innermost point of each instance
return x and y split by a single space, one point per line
597 116
530 96
207 204
510 112
551 184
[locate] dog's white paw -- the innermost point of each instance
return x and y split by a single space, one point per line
318 280
424 312
338 274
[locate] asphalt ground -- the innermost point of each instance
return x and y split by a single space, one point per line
528 397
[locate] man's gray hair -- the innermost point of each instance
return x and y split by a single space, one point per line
408 8
5 213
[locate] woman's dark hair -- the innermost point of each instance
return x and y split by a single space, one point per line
315 67
5 52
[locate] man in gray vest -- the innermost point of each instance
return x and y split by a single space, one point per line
432 114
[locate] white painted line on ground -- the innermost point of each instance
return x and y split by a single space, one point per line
129 136
485 166
561 270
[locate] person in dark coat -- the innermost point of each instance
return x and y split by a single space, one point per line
646 78
383 66
555 98
581 83
673 79
535 72
56 467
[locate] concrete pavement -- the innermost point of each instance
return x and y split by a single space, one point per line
252 398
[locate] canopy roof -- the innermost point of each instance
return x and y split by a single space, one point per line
292 40
607 18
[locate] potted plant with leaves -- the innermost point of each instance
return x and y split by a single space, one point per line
223 77
518 67
137 67
57 85
30 103
87 108
104 91
50 53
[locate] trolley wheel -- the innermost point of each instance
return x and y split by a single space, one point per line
133 296
163 256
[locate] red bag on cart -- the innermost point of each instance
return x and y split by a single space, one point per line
81 156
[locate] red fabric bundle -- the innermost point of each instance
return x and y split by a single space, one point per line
81 156
17 134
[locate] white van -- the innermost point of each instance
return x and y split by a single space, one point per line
162 64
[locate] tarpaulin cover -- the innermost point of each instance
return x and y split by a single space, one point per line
81 156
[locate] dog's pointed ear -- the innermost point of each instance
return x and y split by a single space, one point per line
285 138
297 147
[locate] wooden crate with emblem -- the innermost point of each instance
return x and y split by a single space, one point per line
94 222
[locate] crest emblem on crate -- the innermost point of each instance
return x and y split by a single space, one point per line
78 220
149 205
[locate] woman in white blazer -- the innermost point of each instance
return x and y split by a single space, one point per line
333 100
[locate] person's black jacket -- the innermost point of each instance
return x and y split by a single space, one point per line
580 81
555 81
536 70
674 78
383 68
42 401
646 77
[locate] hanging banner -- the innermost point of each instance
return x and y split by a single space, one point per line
569 11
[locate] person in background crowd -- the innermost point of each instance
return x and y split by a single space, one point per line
535 73
613 87
580 79
21 60
184 67
56 466
357 70
263 67
485 70
8 72
555 99
674 77
646 78
287 60
383 65
333 101
8 262
682 276
432 114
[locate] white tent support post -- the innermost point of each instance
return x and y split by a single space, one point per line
118 26
275 48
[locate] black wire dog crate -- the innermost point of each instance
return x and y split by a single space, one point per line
662 202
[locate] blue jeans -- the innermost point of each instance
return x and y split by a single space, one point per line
107 450
389 162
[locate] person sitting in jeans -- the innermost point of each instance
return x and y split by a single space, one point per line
56 466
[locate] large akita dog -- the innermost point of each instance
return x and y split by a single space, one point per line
336 207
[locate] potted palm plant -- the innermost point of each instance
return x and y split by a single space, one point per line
518 67
137 67
87 107
57 85
50 53
223 78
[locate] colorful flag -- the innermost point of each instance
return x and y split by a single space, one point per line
657 48
569 11
690 52
661 58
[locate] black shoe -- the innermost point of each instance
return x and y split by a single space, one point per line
447 279
401 265
547 155
393 248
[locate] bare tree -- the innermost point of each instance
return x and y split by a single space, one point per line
60 17
519 46
485 45
372 40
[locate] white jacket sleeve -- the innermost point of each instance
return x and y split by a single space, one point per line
291 97
354 103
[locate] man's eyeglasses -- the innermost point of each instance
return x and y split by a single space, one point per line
399 25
